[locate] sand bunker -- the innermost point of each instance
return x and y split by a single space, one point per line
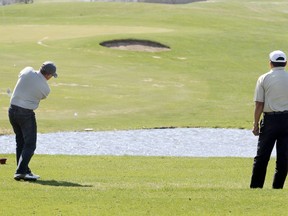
150 1
136 45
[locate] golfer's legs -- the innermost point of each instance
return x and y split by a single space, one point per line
19 141
29 131
18 134
265 146
281 163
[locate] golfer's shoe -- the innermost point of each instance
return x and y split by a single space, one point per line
31 177
26 177
18 177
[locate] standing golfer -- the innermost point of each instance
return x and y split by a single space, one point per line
31 87
271 99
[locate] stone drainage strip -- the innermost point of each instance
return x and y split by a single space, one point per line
186 142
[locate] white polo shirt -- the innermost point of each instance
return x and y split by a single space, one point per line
272 89
31 87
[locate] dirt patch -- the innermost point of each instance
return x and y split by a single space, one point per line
136 45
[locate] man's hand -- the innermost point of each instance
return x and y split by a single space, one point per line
256 129
259 106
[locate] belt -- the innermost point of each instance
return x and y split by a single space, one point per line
276 113
19 108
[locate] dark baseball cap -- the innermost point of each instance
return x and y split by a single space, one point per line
49 67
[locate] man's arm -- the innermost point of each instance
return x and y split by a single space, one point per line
259 106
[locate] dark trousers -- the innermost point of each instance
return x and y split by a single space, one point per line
24 125
273 129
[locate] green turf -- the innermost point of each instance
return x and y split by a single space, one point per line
98 185
218 50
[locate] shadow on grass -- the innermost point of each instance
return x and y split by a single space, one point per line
59 183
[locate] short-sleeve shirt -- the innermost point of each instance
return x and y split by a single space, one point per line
272 89
31 87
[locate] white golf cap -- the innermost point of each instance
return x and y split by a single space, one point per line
277 56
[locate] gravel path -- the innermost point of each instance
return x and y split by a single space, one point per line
193 142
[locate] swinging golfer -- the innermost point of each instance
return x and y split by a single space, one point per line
271 99
31 87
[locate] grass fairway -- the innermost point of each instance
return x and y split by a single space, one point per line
87 185
218 50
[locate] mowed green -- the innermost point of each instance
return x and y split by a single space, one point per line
218 50
96 185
